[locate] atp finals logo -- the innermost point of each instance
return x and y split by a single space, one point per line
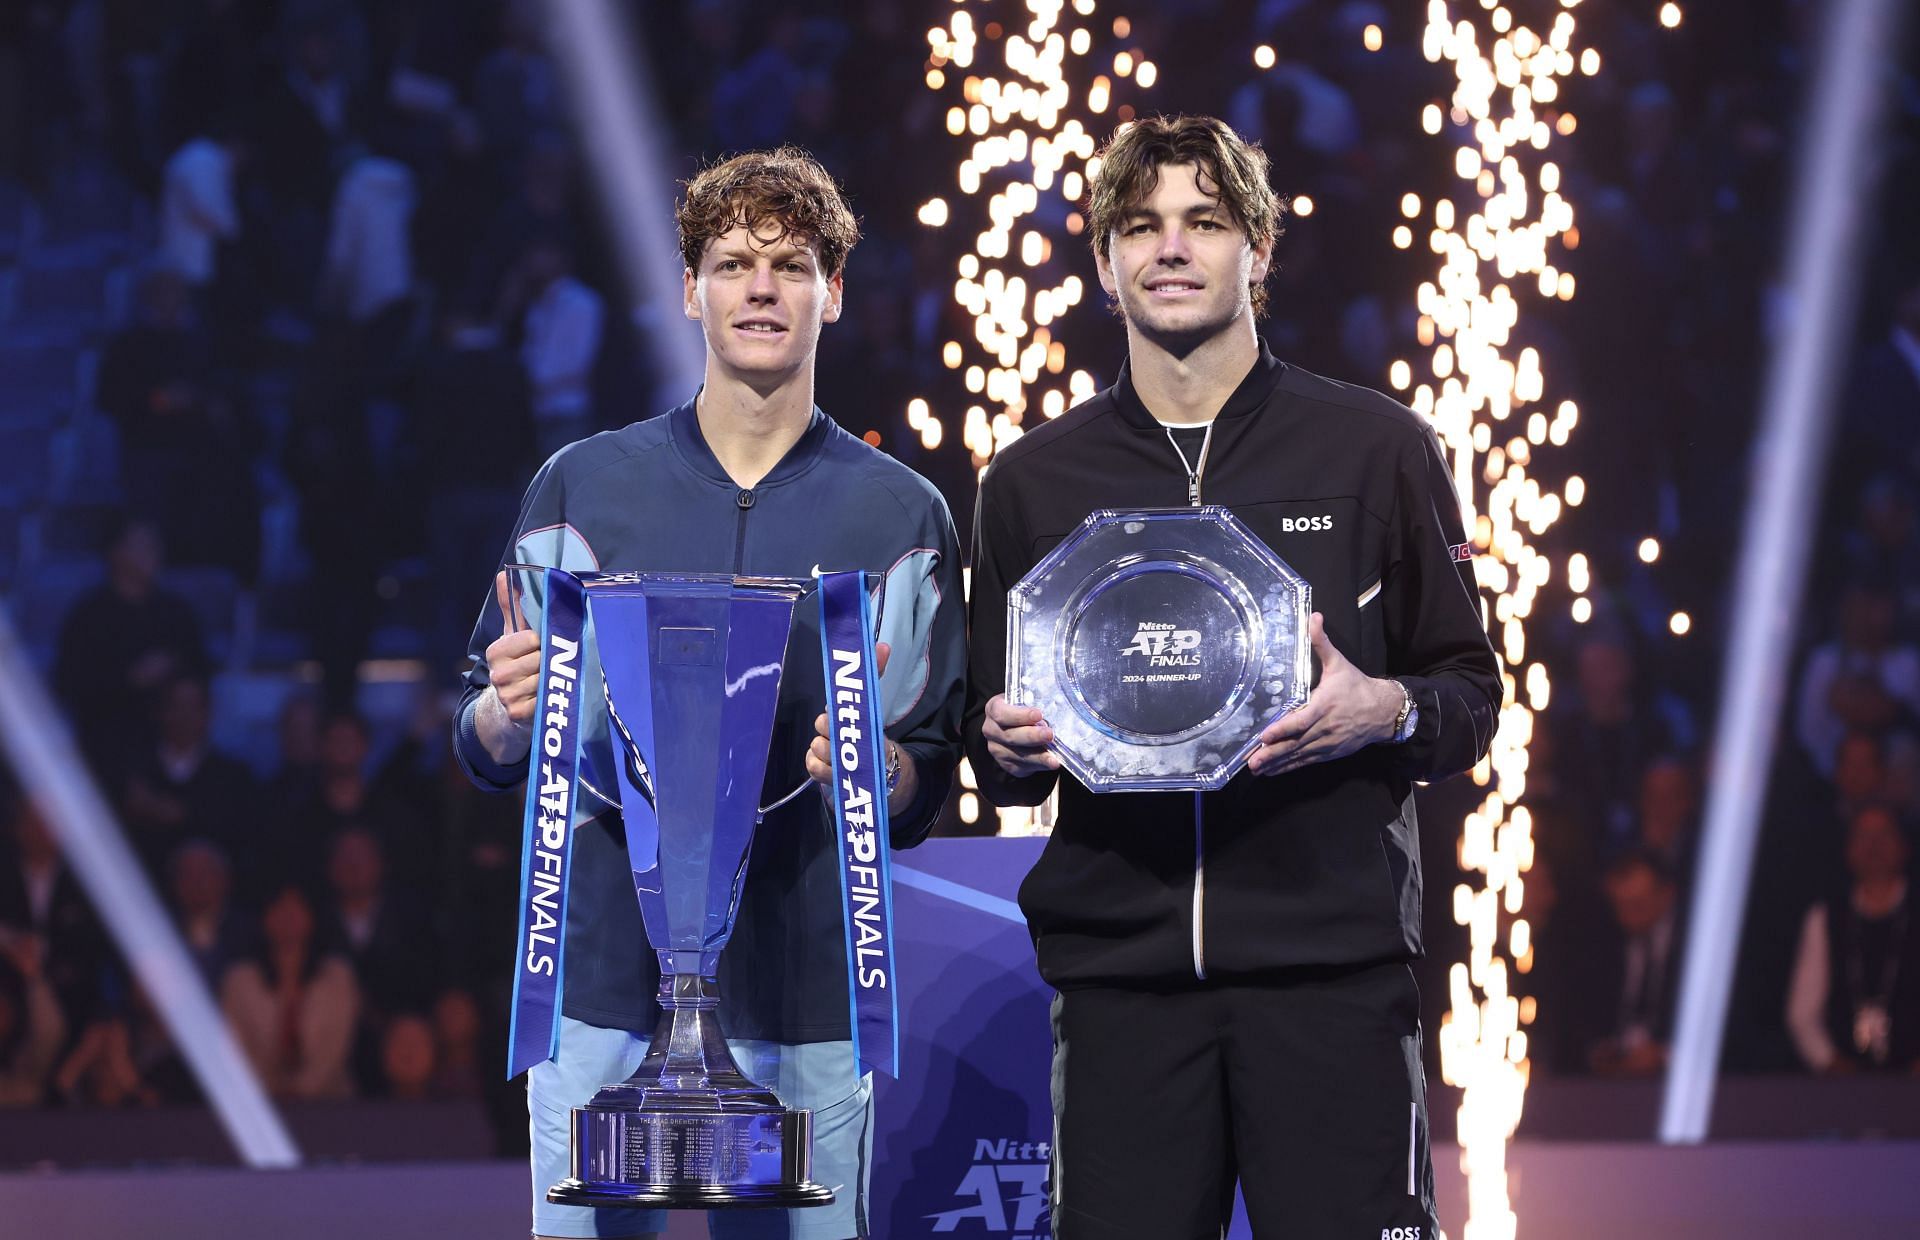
1173 655
1005 1191
1165 646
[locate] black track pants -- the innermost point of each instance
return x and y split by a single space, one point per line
1308 1091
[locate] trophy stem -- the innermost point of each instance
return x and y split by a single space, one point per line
688 1066
688 1129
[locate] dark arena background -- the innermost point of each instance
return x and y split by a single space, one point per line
295 296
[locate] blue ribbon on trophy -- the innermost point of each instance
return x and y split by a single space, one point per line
546 833
859 800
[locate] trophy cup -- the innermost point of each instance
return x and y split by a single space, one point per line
1159 643
691 666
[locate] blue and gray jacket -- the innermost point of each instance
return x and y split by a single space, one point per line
651 497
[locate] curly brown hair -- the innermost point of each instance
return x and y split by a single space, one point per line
1227 165
785 189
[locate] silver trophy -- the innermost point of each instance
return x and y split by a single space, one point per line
692 669
1159 643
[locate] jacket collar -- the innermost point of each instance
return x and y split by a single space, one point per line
684 425
1247 398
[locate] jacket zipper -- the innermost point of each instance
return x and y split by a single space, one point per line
1199 892
1195 472
743 500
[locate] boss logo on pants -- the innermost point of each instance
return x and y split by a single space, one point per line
1302 525
1399 1233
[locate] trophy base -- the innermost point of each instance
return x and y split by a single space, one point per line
691 1159
571 1192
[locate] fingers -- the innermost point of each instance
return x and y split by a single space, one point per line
514 656
513 669
819 764
512 619
1016 728
880 652
1017 737
1007 715
1023 761
1291 726
503 595
1032 739
1322 645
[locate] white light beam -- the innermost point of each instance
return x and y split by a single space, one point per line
1830 206
48 769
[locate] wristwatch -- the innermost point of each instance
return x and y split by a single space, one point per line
1409 716
893 767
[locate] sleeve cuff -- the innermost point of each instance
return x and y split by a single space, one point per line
473 756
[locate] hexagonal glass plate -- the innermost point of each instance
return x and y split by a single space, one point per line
1159 643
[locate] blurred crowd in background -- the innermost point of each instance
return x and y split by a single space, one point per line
295 296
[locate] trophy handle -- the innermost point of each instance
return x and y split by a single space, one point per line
879 611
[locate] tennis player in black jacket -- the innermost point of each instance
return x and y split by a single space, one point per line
1234 997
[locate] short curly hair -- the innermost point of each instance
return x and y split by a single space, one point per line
1229 167
784 188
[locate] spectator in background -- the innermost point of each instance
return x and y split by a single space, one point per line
1883 544
213 65
753 102
32 1026
560 327
1854 1002
1638 968
41 899
468 388
383 935
407 1058
1859 775
1670 814
368 276
120 644
456 1034
296 768
178 430
1607 729
1900 782
516 91
101 1070
293 1006
1863 680
1883 401
313 110
342 796
306 122
200 884
125 1058
543 204
199 204
1558 928
181 786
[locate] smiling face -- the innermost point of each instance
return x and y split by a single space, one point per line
1179 264
761 299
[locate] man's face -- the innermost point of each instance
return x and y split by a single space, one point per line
356 866
1177 262
1640 898
199 881
1668 800
184 714
760 299
1876 851
343 746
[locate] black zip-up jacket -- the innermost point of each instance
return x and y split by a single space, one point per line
1317 867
